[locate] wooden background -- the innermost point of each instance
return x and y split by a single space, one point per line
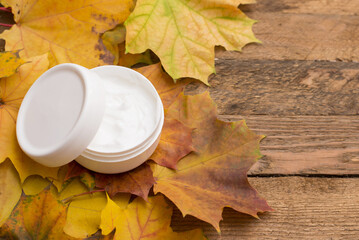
300 88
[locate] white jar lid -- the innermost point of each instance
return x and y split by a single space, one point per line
61 114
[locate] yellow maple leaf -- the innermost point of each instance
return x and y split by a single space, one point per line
68 30
215 176
10 189
12 91
184 33
143 220
9 62
84 212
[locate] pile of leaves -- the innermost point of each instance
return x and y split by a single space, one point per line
201 162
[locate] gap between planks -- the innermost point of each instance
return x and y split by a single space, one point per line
305 208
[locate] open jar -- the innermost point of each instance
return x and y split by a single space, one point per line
108 118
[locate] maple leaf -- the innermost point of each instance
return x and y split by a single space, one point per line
176 138
12 91
10 189
143 220
139 181
184 33
9 62
36 217
68 30
175 143
215 176
84 211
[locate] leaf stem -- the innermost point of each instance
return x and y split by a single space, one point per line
66 200
6 25
5 9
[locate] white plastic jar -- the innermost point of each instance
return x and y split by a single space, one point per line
108 118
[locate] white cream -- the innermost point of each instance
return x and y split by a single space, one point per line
130 115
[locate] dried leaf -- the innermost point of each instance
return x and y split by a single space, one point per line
138 181
10 189
37 217
143 220
176 138
69 31
175 143
84 212
12 91
9 62
183 34
215 176
166 88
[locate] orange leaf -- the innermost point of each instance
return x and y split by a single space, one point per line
175 143
138 182
69 30
12 91
176 138
37 217
143 220
215 176
163 83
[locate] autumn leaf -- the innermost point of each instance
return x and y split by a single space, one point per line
9 62
166 88
12 91
68 30
176 138
184 33
143 220
37 217
175 143
138 181
84 211
114 41
215 176
35 184
10 189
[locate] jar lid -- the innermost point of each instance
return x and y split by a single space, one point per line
60 114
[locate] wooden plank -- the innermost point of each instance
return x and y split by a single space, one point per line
306 145
305 208
274 87
303 30
328 7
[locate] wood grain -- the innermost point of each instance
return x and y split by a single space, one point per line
306 145
305 208
274 87
303 30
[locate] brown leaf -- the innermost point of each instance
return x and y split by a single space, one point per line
175 143
215 176
163 83
176 139
137 181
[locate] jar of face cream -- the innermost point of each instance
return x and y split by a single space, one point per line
108 118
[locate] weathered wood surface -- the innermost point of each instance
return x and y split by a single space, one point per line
274 87
303 30
306 145
305 208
